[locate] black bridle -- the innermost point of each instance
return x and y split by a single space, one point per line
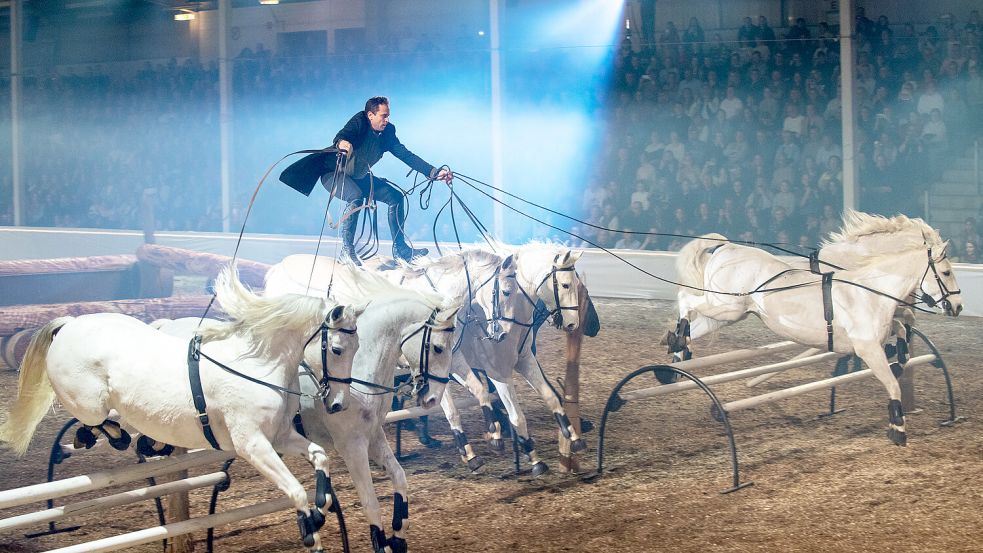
324 384
946 293
422 380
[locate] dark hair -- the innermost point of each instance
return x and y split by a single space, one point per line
373 103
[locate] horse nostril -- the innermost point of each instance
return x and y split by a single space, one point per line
336 407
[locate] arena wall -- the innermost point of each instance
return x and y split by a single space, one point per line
605 276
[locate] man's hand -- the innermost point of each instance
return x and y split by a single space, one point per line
345 146
445 175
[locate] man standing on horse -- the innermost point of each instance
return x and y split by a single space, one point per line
361 143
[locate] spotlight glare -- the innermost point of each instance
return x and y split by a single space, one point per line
269 2
481 33
184 16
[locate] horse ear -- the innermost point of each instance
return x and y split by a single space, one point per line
358 309
569 258
508 261
336 314
447 314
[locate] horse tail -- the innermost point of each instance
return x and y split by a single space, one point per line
34 392
692 260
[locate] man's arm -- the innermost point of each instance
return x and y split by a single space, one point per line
348 134
417 163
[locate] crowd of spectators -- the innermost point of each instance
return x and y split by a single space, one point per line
704 134
743 137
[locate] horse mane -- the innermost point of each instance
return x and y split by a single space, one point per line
474 255
262 318
357 285
857 224
905 232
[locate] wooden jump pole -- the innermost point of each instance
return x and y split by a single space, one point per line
727 377
111 501
178 528
812 386
104 479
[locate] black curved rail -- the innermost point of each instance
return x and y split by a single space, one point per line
939 363
616 402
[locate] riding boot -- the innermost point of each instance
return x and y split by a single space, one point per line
347 230
402 250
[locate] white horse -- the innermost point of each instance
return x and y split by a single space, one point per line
732 281
97 363
397 321
861 236
505 346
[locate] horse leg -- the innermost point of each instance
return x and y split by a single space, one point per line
529 367
506 392
382 454
259 453
355 452
295 444
874 357
493 429
460 438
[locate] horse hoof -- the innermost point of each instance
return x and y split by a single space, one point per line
540 469
120 443
899 437
665 376
474 464
317 518
84 438
578 445
398 545
431 443
497 444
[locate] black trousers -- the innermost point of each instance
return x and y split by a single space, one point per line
351 190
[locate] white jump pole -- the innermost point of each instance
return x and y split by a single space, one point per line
104 479
417 412
727 377
759 379
158 533
734 356
812 386
110 501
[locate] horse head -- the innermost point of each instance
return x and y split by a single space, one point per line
428 347
330 354
560 289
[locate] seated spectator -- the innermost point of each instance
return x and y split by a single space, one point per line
934 132
794 121
652 241
930 99
628 240
731 105
641 194
784 198
788 149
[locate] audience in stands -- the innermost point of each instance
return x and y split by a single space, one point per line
760 120
739 137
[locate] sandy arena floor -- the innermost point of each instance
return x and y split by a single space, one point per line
820 484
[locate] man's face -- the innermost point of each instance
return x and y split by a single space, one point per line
380 118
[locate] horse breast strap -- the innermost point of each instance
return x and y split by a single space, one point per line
828 308
197 393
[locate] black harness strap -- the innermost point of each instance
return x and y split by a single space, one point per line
197 393
828 308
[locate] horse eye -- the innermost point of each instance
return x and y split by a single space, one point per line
506 294
336 351
946 273
566 286
438 350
